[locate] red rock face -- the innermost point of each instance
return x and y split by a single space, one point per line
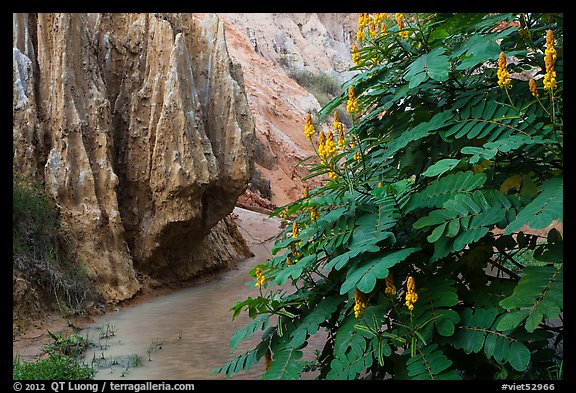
260 43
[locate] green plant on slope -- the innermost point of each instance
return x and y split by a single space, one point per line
38 252
64 360
453 165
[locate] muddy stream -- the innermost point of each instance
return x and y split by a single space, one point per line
184 335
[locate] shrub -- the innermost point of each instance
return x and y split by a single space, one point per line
452 166
57 367
37 248
63 361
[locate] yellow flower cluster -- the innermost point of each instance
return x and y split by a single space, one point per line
284 214
390 288
314 213
376 26
357 155
259 277
363 21
341 140
372 28
550 59
359 303
309 127
533 88
411 295
267 359
295 252
503 75
351 104
356 56
339 128
400 22
327 147
379 19
294 229
337 124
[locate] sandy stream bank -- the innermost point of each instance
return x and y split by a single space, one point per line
258 230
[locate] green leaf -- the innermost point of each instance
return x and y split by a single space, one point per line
364 276
511 320
436 297
309 325
294 271
437 232
540 292
440 167
421 130
285 364
479 332
470 337
468 216
478 49
439 191
437 65
429 363
344 336
545 208
239 363
245 332
519 356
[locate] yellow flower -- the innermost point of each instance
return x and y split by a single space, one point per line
294 229
390 288
359 303
295 252
549 60
372 27
363 21
267 359
341 140
550 45
314 213
503 75
400 23
533 88
309 127
357 155
351 104
411 295
283 214
259 277
327 147
355 54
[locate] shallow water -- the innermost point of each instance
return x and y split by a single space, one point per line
181 336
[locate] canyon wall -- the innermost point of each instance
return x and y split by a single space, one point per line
139 128
270 46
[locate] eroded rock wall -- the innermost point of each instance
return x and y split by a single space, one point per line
138 126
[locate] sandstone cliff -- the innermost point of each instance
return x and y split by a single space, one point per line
268 46
139 127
